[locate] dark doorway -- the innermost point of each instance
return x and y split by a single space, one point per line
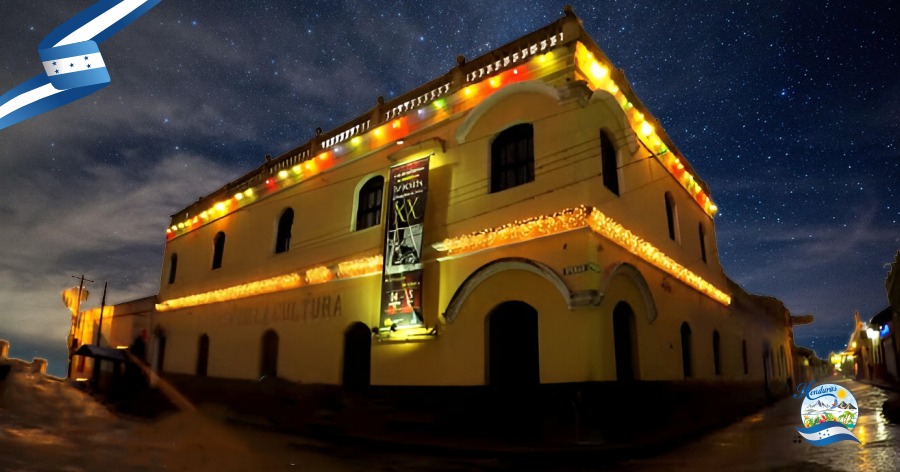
766 360
268 366
625 342
160 353
686 362
202 355
717 353
513 356
357 356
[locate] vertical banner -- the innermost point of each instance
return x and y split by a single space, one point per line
401 296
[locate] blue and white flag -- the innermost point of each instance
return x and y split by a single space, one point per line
827 433
73 66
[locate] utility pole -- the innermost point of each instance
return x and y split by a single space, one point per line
102 306
76 319
81 282
95 379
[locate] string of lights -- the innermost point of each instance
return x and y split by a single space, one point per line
577 218
444 106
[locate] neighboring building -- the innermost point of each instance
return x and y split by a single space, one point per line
809 366
888 321
873 352
124 327
564 240
892 285
872 349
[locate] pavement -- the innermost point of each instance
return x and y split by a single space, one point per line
50 426
768 440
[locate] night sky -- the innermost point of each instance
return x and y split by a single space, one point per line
790 111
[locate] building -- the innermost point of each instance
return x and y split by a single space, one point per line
872 354
98 354
521 220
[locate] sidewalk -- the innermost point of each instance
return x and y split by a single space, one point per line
768 440
365 423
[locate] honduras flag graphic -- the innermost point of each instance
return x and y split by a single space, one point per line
827 433
73 66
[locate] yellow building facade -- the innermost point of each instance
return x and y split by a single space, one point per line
564 239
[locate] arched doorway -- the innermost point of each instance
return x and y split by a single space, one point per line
513 352
625 341
268 366
202 355
357 356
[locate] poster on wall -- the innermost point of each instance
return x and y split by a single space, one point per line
401 297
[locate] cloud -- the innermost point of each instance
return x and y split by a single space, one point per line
107 222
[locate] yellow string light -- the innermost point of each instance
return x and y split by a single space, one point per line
316 275
576 218
599 79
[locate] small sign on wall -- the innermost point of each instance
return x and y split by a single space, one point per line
581 268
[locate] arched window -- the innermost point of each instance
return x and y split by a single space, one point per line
283 236
173 266
744 356
686 361
672 217
202 355
512 157
717 358
268 366
702 233
368 203
218 250
608 163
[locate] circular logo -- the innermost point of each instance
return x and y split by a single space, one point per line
829 403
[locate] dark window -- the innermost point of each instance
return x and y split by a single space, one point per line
672 217
368 206
283 237
268 366
744 356
608 163
702 242
173 266
512 157
202 355
686 350
717 359
218 250
625 342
